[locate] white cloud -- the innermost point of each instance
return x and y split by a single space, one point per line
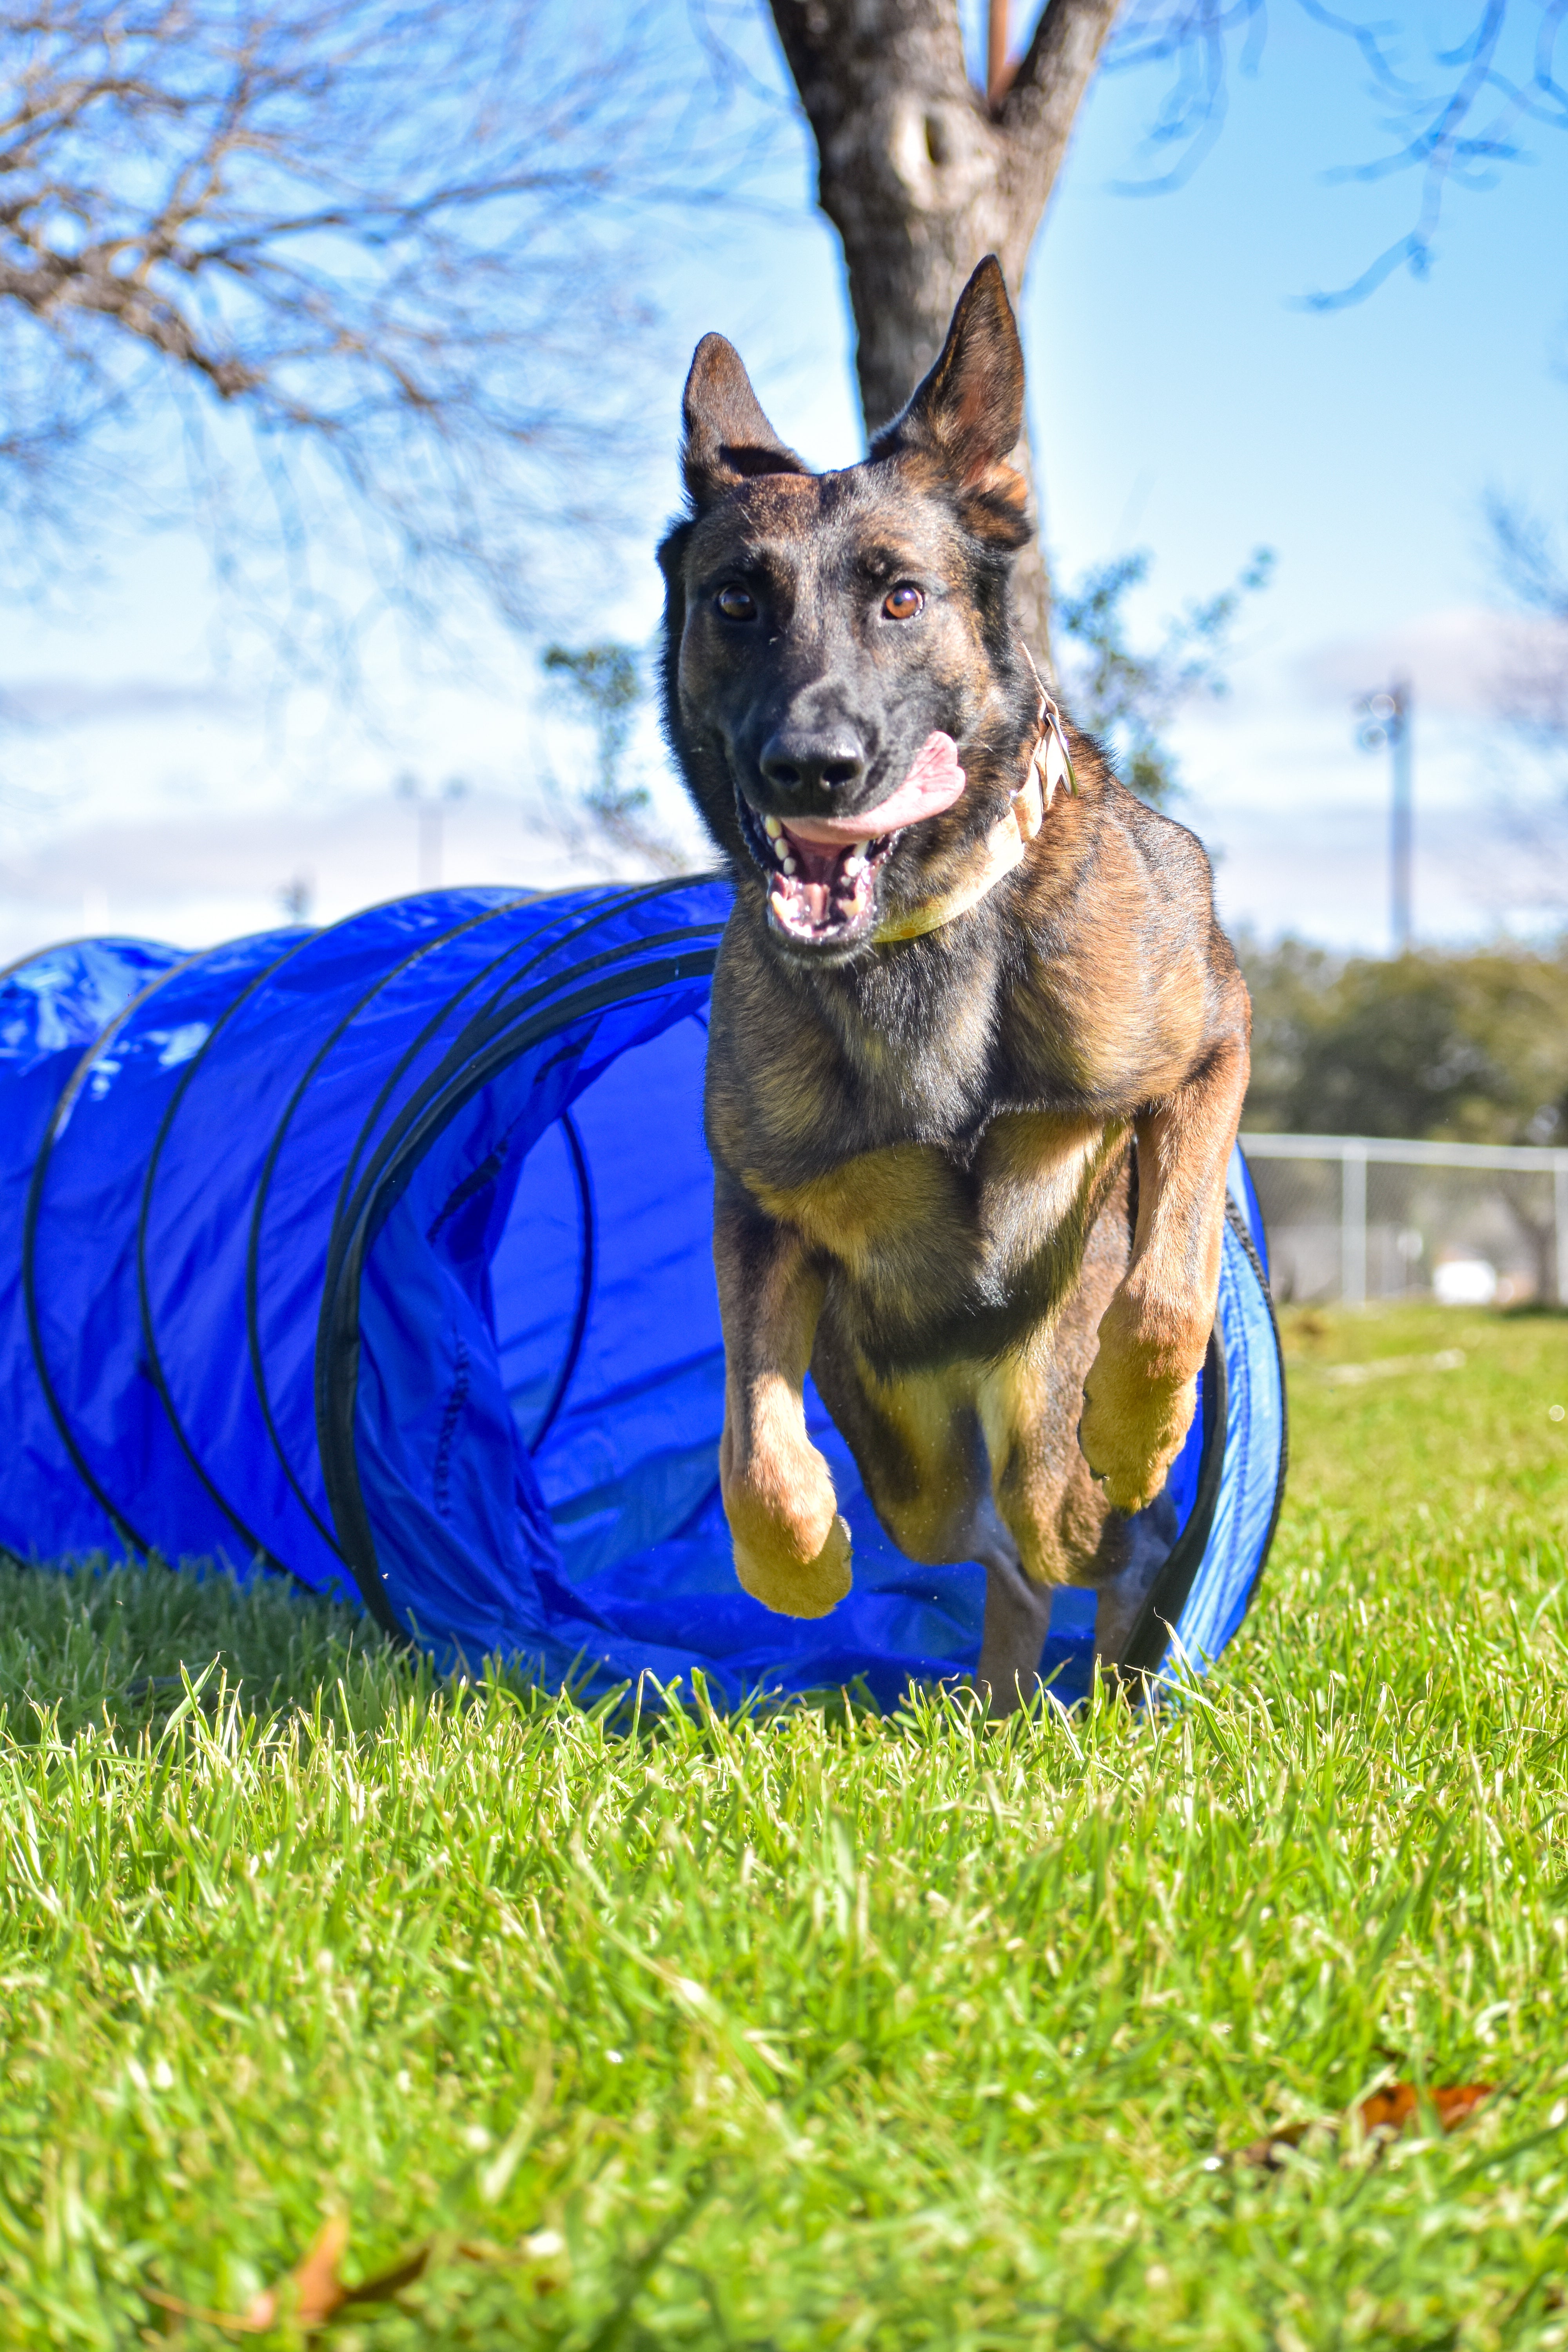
1460 661
53 702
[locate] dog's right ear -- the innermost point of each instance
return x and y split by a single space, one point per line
728 440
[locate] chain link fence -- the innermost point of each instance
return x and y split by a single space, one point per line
1353 1217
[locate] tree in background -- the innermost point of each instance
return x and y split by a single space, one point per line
393 237
922 170
1469 1048
1126 698
389 237
1531 695
605 684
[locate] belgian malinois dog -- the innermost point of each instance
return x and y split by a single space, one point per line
978 1046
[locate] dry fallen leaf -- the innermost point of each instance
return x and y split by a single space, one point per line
313 2292
318 2290
402 2273
1383 2115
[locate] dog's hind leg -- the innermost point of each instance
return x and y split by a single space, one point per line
1143 1545
1018 1619
919 1447
1061 1527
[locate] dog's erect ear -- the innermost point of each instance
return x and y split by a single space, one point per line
728 438
969 412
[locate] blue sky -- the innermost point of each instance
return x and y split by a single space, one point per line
1182 399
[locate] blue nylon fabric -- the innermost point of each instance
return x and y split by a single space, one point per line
294 1055
387 1249
53 1009
86 1261
1255 1436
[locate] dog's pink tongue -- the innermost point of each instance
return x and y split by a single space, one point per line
933 784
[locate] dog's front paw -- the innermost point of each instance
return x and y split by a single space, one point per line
797 1587
1131 1443
792 1548
1138 1407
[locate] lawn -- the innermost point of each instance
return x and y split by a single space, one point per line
822 2030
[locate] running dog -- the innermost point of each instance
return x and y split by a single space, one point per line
978 1045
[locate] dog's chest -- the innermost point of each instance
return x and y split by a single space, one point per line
915 1218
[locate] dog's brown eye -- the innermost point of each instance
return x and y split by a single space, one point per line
902 603
736 604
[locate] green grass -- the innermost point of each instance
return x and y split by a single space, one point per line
821 2030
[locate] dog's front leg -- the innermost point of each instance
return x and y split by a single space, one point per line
1142 1385
792 1548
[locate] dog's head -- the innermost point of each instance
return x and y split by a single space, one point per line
844 686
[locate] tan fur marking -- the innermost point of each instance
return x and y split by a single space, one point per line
1033 1167
1029 1406
918 1445
1141 1391
858 1207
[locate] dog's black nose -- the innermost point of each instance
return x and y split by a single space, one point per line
795 763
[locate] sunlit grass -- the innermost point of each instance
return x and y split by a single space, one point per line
821 2030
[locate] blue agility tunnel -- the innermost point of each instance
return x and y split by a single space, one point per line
381 1255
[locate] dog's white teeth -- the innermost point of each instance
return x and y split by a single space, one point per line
772 827
853 865
788 864
781 851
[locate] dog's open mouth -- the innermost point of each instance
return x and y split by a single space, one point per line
822 871
822 893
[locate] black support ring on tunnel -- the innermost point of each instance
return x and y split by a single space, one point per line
1166 1597
1239 1226
591 921
259 1550
337 1339
123 1528
264 1182
435 941
585 1257
488 1023
475 1040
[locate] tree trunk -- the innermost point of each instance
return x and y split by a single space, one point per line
922 179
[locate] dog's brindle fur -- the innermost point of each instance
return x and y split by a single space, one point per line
924 1187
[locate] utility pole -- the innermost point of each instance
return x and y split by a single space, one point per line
1387 718
430 809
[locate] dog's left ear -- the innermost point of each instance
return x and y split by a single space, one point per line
968 414
728 438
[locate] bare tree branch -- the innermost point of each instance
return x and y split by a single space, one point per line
1451 123
393 237
1042 99
1528 757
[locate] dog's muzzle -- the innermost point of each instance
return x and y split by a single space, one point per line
822 871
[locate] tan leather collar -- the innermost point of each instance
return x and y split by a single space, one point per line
1050 764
